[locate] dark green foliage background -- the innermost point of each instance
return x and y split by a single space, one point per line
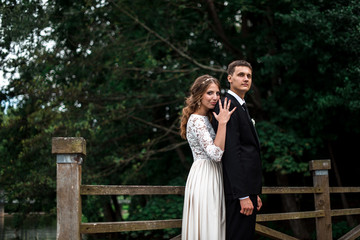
119 71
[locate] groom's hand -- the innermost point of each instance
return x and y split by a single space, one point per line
247 206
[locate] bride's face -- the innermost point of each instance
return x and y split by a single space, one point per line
210 97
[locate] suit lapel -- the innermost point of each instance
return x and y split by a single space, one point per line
253 129
255 133
241 110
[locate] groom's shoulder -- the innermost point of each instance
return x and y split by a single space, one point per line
228 95
234 101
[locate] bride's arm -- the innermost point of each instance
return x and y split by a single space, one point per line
199 129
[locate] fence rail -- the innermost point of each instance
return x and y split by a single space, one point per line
70 153
130 190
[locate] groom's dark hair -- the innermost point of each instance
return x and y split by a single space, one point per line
236 63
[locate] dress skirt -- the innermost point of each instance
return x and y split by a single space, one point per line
204 202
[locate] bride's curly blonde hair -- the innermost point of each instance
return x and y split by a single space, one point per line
198 88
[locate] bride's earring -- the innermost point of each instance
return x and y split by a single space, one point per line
199 103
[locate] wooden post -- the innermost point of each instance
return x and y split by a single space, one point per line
70 153
320 173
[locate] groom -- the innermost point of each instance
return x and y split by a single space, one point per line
241 159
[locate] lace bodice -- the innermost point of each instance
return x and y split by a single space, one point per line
200 136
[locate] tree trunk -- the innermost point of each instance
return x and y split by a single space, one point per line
118 216
110 216
290 204
2 203
2 213
349 219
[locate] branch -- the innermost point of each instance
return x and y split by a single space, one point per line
181 53
162 70
167 148
115 167
218 29
154 125
161 104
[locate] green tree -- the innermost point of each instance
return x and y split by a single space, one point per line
117 72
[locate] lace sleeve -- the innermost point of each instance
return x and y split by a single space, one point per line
203 137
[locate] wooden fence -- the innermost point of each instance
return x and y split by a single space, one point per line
70 153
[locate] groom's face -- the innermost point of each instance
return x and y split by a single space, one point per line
240 81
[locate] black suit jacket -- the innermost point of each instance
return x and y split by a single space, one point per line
241 160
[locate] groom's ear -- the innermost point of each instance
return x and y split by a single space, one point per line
229 78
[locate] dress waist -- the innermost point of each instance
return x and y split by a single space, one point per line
205 161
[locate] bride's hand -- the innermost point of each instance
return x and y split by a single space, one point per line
224 113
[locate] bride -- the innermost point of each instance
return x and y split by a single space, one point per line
204 202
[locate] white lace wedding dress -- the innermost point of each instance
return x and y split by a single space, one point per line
204 202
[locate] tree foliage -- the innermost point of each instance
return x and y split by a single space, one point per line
117 72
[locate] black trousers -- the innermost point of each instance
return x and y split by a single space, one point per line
239 226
